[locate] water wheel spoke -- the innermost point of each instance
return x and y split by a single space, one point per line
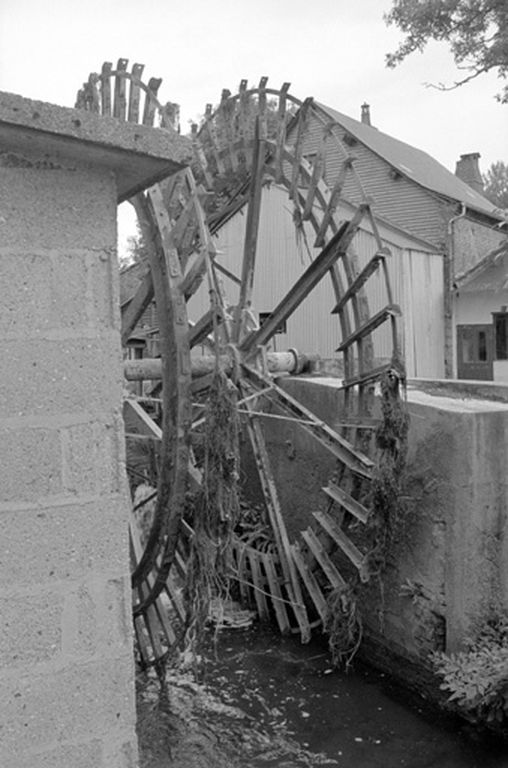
278 526
251 236
322 264
133 310
325 435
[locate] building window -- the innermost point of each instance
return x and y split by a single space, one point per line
501 335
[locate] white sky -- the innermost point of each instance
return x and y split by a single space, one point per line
332 50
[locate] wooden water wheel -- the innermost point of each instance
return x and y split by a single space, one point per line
259 136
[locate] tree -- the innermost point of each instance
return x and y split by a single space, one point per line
476 30
496 184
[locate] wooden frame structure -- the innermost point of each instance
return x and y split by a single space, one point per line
253 138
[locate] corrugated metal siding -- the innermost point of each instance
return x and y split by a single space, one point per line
416 276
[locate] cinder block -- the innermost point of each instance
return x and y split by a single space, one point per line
87 754
91 460
57 208
70 541
79 623
31 629
123 754
61 376
31 464
83 699
25 309
114 613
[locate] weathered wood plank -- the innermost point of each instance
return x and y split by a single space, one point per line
310 582
321 556
370 268
301 135
151 102
325 435
251 237
135 93
281 132
120 99
332 202
105 78
277 523
278 603
353 506
258 581
300 290
375 321
132 312
340 538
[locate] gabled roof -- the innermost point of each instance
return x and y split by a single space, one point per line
414 164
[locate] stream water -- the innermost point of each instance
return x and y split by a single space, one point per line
358 720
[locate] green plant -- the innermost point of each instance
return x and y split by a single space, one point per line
477 677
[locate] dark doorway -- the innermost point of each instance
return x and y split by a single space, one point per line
475 352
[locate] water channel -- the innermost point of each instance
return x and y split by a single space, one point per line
358 720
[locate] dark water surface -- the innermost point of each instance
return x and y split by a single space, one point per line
357 719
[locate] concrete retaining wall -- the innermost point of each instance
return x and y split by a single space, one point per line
449 556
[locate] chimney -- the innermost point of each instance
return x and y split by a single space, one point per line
468 170
366 114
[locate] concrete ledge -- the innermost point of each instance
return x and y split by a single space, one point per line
138 155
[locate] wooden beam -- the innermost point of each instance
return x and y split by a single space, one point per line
132 311
313 274
343 498
321 556
321 432
120 101
135 93
333 530
360 280
374 322
105 79
251 237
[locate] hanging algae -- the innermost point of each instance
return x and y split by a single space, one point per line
216 510
344 622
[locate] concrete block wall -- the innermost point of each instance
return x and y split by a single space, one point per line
66 661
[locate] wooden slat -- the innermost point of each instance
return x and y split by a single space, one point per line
348 502
135 93
321 556
278 526
375 321
281 132
325 435
240 556
301 134
337 534
278 603
120 102
106 88
251 237
332 202
263 127
318 167
175 596
300 290
366 378
258 582
310 582
132 311
360 280
151 102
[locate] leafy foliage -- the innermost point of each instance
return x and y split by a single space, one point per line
496 184
477 678
477 31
